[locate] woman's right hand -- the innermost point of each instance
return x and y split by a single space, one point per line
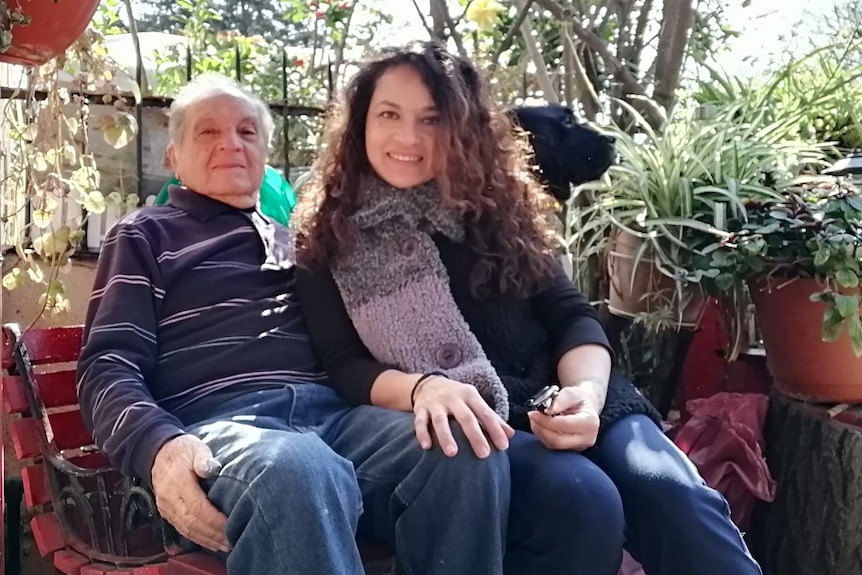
439 398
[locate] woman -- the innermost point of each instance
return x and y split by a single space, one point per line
430 286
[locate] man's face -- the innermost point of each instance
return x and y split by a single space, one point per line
222 152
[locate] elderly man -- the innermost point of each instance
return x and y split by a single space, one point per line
197 376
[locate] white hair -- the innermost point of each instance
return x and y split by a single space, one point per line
208 86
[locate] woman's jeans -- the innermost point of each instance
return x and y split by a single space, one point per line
302 472
572 513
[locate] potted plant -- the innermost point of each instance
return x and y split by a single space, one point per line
669 196
801 258
34 31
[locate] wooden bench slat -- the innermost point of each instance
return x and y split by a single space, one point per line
69 562
37 491
69 433
53 344
69 430
25 438
47 533
102 569
196 564
14 394
157 569
57 388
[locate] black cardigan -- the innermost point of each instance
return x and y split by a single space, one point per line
524 338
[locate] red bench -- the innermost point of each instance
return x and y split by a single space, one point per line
85 514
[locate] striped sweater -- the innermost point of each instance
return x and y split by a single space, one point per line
193 303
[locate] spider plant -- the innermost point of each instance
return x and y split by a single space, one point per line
674 188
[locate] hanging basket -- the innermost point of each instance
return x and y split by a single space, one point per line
51 26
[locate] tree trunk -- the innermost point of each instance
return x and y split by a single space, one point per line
677 19
814 526
438 19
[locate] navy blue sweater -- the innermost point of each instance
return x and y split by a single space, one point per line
193 304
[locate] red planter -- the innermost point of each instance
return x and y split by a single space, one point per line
54 25
803 365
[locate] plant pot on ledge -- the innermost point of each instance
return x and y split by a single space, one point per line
637 286
39 30
803 365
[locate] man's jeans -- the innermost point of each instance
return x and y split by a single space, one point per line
300 466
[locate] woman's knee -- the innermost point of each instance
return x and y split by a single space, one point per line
566 491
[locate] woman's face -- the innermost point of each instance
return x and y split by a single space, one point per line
402 129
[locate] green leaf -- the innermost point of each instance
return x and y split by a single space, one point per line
847 279
824 296
847 305
120 130
855 329
822 256
85 179
14 279
769 228
94 202
756 264
42 218
831 324
35 273
725 281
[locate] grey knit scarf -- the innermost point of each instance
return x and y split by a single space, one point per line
396 289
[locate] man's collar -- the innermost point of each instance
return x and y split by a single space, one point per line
198 206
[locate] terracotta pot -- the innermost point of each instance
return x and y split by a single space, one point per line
54 25
801 363
651 290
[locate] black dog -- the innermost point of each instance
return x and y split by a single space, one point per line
567 153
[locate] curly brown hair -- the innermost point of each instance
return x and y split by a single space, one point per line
485 173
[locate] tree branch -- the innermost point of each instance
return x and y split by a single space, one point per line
456 36
588 97
630 83
431 33
677 19
141 72
634 57
542 76
510 34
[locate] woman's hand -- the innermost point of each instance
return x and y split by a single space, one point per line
573 423
438 398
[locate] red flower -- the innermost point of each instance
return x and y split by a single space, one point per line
319 14
299 62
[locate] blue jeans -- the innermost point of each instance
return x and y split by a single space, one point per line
572 513
303 473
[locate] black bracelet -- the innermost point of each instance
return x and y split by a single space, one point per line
423 378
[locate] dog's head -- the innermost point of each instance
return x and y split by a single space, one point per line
567 152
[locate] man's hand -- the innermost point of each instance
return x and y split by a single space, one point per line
573 423
439 398
177 469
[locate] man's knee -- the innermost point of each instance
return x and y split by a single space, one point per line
281 466
465 468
